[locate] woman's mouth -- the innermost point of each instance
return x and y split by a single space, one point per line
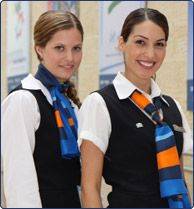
67 67
146 64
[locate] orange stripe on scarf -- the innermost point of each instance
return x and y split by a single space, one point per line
58 119
70 121
168 158
140 100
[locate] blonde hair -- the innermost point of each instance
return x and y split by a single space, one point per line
51 22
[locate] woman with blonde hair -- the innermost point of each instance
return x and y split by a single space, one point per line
41 164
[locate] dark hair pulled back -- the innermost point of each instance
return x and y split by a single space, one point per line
140 15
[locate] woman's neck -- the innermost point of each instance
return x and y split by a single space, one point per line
142 84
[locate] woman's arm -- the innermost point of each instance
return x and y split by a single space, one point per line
19 123
187 141
92 164
187 136
182 170
94 132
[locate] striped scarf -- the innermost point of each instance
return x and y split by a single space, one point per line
63 111
172 184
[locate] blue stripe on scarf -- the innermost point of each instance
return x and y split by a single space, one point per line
62 133
165 144
54 98
63 104
156 117
172 187
163 132
153 111
66 148
175 203
150 108
183 202
186 201
164 136
170 173
74 131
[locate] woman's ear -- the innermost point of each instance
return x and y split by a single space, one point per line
39 51
121 45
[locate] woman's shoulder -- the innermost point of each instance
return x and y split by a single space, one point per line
171 100
19 97
94 99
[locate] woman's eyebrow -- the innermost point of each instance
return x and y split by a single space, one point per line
162 39
141 36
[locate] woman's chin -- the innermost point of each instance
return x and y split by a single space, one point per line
65 77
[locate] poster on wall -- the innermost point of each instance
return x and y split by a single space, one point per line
17 35
190 58
112 16
71 6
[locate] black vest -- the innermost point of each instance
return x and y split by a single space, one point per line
57 177
130 160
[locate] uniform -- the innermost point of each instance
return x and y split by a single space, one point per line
41 178
125 134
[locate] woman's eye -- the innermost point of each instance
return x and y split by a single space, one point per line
77 48
140 42
59 48
160 44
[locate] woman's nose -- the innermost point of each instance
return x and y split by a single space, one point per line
150 52
69 56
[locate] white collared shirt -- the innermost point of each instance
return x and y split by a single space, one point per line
94 118
20 118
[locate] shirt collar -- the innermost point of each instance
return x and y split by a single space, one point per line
31 83
124 88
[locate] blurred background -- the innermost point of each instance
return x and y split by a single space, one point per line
102 22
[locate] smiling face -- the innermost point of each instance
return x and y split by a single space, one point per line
62 54
144 51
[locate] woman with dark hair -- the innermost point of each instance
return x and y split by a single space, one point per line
130 132
41 163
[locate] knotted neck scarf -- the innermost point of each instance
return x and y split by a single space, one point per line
172 184
63 111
